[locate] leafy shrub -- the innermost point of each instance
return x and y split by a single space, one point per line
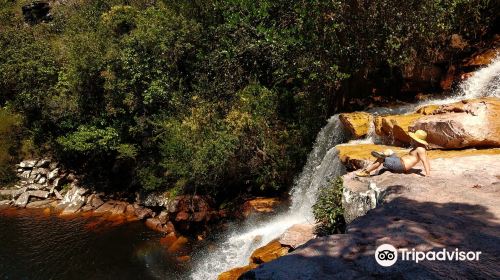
9 141
328 210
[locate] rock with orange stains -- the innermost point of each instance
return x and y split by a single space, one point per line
269 252
178 244
358 123
143 212
260 205
235 273
168 239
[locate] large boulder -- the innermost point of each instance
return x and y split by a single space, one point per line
394 128
469 123
458 206
358 123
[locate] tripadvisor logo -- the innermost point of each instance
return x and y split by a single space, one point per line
387 255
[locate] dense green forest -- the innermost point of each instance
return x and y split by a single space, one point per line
203 95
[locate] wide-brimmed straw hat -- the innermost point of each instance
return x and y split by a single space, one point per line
419 136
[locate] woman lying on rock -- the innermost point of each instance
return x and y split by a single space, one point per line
402 164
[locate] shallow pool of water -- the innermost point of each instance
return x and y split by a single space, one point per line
38 245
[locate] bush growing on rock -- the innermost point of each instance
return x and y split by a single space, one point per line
328 210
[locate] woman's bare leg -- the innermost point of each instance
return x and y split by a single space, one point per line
376 164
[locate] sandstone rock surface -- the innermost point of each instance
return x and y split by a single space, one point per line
260 205
458 206
358 123
297 235
470 123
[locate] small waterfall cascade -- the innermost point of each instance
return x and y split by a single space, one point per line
321 167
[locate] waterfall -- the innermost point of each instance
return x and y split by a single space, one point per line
322 165
484 82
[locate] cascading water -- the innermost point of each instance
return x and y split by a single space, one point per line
323 165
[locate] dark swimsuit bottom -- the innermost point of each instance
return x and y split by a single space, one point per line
394 163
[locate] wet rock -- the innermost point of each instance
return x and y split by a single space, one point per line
235 273
358 123
260 205
154 224
269 252
143 212
482 58
297 235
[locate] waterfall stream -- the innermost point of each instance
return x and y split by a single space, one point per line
322 165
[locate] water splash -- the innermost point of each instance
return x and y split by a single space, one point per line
484 82
322 166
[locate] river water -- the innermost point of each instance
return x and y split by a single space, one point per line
35 245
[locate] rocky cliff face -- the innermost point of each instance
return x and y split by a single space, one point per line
456 207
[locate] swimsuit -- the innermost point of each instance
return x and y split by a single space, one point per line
394 163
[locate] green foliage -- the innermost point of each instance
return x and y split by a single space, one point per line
9 141
217 96
89 140
328 210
